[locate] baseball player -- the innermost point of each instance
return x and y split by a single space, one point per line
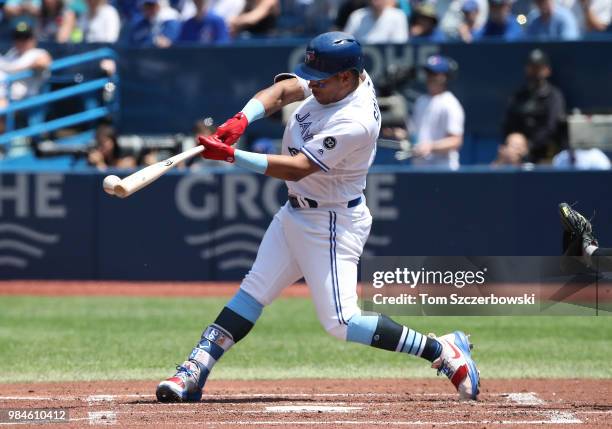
319 234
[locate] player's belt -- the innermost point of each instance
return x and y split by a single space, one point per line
303 202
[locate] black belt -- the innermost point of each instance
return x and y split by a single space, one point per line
295 202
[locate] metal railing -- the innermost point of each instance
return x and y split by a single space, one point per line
37 125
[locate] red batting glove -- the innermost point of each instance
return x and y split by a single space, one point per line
216 149
230 131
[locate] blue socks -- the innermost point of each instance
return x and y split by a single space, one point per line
381 332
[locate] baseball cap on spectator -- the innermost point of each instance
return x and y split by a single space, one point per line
469 6
426 10
23 30
439 64
538 57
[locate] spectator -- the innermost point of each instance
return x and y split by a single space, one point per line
513 151
57 21
346 9
258 18
185 8
101 23
381 22
129 10
537 110
24 10
158 25
582 159
593 16
438 118
450 15
553 22
467 29
424 24
205 27
106 153
227 9
24 55
501 23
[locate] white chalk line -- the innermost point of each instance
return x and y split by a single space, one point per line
555 416
102 417
525 398
547 413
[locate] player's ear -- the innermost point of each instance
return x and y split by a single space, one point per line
348 76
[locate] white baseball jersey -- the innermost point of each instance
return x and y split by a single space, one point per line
323 245
434 118
340 138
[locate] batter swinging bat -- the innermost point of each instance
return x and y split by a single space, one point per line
148 175
136 181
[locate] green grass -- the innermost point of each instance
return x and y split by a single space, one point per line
82 338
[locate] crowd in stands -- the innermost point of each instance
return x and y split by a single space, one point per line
163 23
534 128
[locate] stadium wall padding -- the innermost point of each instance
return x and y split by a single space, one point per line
207 226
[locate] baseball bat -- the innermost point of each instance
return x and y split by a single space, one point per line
148 175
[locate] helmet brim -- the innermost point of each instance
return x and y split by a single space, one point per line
308 73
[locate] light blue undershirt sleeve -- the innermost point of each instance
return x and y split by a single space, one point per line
257 162
254 110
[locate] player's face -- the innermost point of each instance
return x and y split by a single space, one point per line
332 89
23 44
436 82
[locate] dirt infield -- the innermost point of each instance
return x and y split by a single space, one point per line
326 404
300 403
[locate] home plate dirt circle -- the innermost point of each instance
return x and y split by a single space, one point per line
326 404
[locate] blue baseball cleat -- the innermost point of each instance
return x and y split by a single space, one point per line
457 364
183 386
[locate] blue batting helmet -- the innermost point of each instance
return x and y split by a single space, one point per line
330 53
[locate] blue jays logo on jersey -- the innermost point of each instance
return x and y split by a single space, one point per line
329 143
302 118
304 126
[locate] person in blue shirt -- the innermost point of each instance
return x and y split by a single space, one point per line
501 24
467 28
158 26
204 27
552 22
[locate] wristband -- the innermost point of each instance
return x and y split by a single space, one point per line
254 110
257 162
